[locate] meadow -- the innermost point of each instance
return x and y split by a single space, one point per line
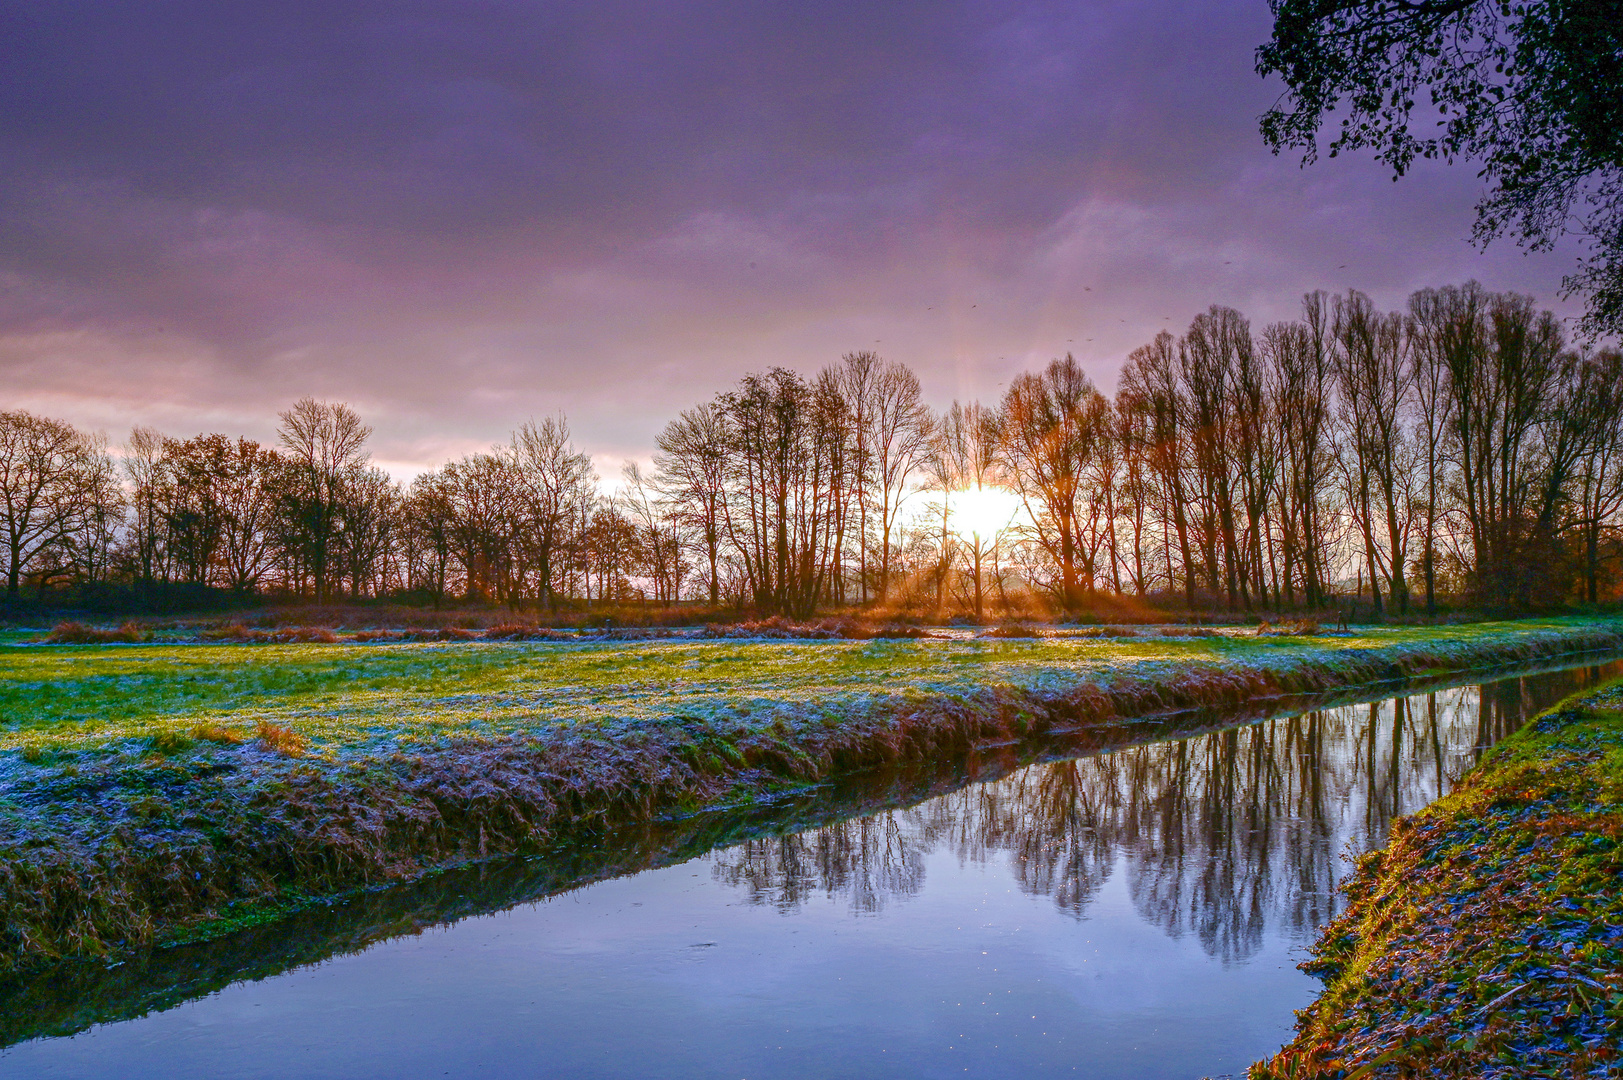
358 698
169 791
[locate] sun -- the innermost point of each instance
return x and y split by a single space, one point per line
982 511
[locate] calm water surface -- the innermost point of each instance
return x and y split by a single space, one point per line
1134 914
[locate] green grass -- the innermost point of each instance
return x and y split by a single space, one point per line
349 697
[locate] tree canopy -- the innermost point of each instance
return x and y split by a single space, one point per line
1533 92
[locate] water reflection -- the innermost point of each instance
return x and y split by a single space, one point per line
1230 837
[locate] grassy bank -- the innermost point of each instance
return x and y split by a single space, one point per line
153 792
1487 939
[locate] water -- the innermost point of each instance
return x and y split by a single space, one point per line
1137 913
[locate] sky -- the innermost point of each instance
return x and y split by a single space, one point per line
458 216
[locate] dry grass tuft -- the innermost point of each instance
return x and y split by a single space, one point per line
216 733
280 740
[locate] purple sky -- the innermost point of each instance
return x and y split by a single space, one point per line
457 216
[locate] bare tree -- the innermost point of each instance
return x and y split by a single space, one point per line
964 459
1151 388
1051 424
659 539
553 479
47 468
898 435
1441 323
1208 357
1374 379
1504 390
326 442
1598 480
691 469
427 538
1299 366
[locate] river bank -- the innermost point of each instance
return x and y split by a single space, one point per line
152 794
1486 940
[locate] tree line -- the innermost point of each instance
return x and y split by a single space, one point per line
1458 450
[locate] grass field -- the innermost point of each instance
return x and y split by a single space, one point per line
350 698
158 791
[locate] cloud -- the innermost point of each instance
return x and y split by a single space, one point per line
459 216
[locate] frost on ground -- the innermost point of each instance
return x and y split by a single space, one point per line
153 790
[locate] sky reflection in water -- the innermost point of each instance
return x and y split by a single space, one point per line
1137 914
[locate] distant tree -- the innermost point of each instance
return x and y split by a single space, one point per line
898 431
482 493
1299 365
1441 322
553 478
658 535
1151 388
326 443
856 377
245 492
614 552
1052 422
1598 480
193 517
1210 355
786 448
369 525
50 476
1533 91
964 458
1374 379
690 468
86 550
143 468
427 539
1505 429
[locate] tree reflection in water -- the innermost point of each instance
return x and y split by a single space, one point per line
1221 835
